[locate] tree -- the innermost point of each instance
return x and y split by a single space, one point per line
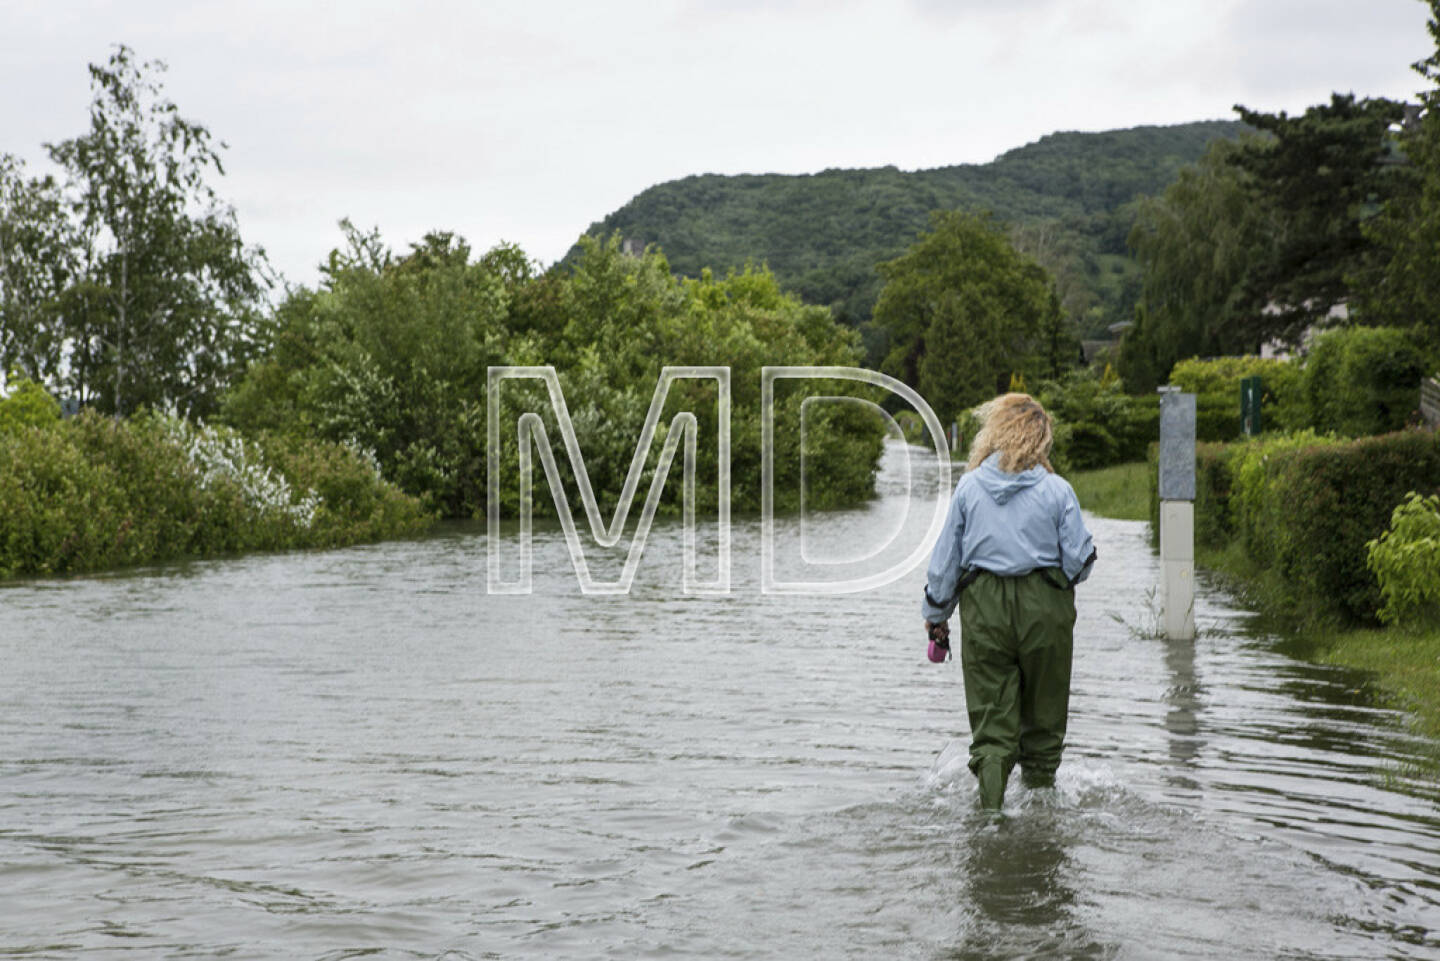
1062 253
1196 243
964 310
1263 237
37 261
391 354
1325 173
1405 287
164 299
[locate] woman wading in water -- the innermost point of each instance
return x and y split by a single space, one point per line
1012 550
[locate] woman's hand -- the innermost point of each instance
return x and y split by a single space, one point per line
939 635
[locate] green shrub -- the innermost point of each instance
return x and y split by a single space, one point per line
92 493
55 504
1086 446
1097 424
1363 380
1406 561
354 502
28 405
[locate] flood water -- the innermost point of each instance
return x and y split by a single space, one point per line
360 753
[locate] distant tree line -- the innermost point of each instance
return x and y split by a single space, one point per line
390 354
127 288
1067 201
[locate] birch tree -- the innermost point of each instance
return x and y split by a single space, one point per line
165 298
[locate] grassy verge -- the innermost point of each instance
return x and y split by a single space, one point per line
1122 492
1406 663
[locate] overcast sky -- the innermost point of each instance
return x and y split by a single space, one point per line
528 121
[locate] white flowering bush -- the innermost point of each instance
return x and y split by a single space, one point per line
93 492
367 455
221 456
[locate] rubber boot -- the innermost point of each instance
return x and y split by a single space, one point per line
1037 779
992 776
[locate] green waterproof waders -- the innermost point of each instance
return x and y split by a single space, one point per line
1016 640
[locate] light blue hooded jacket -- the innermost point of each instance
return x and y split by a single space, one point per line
1007 524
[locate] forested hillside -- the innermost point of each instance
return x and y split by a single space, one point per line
1067 198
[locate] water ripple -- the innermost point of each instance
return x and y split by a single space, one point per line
360 754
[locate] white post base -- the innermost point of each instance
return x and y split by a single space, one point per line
1177 569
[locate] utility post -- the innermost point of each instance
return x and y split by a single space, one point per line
1177 513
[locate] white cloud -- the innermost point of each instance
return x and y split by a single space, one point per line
1281 51
528 122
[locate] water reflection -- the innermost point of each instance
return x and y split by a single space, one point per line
1183 698
1017 877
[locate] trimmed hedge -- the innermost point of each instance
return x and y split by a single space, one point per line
1365 380
1305 506
1214 527
1216 386
1356 381
1338 499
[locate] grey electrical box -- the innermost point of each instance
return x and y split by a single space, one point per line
1177 445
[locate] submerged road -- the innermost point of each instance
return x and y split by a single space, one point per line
359 752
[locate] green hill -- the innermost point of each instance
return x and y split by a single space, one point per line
1066 198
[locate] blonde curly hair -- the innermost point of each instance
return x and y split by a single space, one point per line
1016 426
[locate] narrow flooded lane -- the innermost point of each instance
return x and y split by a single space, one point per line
359 752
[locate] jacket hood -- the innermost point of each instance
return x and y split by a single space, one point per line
1002 486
